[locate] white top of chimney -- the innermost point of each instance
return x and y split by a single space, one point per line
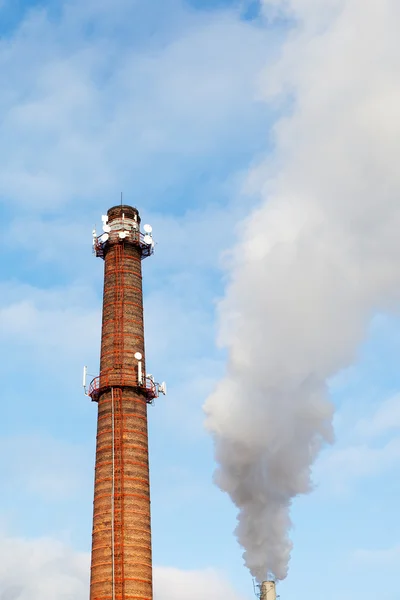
268 590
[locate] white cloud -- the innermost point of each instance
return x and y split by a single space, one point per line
366 447
377 558
45 569
41 569
39 466
312 15
50 320
175 584
57 240
385 420
342 468
82 118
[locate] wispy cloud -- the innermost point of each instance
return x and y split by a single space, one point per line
344 467
41 467
377 558
49 320
385 420
46 569
370 447
82 118
175 584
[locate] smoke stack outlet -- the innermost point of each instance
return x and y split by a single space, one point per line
268 590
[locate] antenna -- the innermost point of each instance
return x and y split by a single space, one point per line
121 198
84 380
162 388
106 228
148 239
139 357
147 228
104 237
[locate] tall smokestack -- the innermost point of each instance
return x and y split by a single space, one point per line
121 562
268 590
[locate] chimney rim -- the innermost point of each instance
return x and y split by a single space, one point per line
130 212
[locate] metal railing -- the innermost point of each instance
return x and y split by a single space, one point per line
132 236
105 382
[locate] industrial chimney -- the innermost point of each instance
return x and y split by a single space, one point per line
121 561
268 590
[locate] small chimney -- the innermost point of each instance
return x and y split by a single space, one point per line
268 590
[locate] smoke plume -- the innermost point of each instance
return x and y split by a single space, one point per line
317 258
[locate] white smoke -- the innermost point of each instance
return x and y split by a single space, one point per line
319 256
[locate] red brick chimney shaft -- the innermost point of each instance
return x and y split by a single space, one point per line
121 566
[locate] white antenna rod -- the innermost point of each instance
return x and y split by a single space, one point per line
139 357
84 380
140 374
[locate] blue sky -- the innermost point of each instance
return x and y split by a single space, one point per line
162 101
